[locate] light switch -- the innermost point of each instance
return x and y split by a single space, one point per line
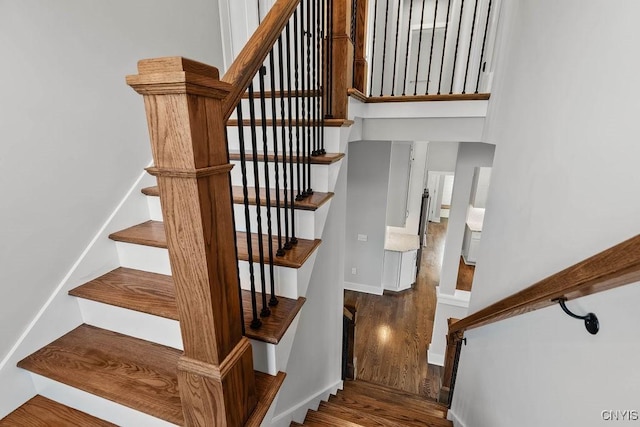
362 237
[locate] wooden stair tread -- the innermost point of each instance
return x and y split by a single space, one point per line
406 399
391 412
316 418
155 294
279 122
151 233
42 412
363 418
310 203
136 373
322 159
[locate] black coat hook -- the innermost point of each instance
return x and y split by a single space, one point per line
590 320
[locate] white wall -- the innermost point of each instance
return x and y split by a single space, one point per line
368 178
74 134
564 118
400 168
442 156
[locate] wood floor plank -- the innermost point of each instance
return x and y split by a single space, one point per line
322 419
393 332
154 294
395 397
394 413
42 412
310 203
360 417
323 159
465 276
133 372
151 233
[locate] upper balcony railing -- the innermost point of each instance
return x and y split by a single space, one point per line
418 48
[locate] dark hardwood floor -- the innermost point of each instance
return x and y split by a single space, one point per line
465 276
393 331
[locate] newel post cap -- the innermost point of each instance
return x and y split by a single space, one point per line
178 75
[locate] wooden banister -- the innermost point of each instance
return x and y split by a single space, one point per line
360 67
252 56
611 268
614 267
185 113
342 61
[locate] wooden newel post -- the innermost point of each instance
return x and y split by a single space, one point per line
360 67
342 62
183 101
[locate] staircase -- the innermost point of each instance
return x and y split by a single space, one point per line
365 404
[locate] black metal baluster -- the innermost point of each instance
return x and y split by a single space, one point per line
455 55
292 197
433 35
323 54
406 53
256 184
484 41
329 68
255 321
354 23
318 84
384 46
303 119
267 189
373 48
473 27
444 45
395 51
287 241
307 190
274 127
299 56
415 86
314 80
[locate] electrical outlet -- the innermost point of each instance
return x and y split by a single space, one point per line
354 270
362 237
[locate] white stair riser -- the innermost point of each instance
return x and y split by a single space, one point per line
266 357
321 176
304 221
156 260
94 405
332 139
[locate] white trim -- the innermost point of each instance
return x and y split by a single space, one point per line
64 280
299 411
361 287
451 416
458 299
435 358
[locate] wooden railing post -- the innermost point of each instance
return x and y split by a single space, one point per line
450 363
184 106
342 61
360 67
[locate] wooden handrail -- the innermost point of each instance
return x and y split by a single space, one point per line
252 56
611 268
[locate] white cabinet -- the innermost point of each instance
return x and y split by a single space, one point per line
399 270
470 245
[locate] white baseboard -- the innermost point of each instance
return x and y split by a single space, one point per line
361 287
451 416
435 358
299 411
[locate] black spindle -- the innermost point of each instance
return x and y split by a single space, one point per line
274 128
289 125
267 190
256 184
309 120
329 68
444 45
455 55
473 27
298 56
255 320
373 48
384 46
287 242
395 52
415 86
406 53
484 41
433 34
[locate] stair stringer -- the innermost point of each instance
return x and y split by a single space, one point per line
61 313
